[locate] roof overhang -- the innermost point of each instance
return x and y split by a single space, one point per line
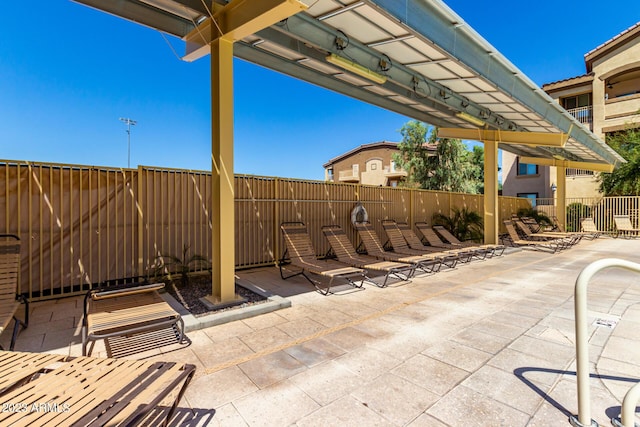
436 68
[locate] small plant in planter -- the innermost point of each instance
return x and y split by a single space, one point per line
172 267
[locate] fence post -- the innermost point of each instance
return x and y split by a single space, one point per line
412 193
139 223
276 219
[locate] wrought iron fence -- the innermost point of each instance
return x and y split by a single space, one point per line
601 209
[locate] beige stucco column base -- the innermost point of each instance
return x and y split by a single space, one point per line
215 303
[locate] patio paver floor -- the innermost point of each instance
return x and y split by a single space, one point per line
490 343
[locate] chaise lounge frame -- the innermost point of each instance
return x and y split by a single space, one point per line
126 311
10 298
301 254
450 257
426 263
496 249
345 252
624 226
89 391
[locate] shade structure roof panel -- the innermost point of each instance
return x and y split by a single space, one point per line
433 64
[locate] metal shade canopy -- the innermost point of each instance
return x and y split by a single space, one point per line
414 57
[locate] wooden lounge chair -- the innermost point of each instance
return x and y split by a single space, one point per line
346 253
125 312
588 226
426 263
566 239
548 246
10 299
49 389
400 245
624 226
303 256
433 239
449 237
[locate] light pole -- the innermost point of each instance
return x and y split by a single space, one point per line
128 122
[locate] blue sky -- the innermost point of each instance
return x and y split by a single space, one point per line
68 73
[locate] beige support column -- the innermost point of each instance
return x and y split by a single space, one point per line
222 199
491 211
561 194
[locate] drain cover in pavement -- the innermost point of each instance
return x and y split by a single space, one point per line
606 323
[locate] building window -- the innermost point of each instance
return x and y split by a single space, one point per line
374 166
532 196
577 101
527 168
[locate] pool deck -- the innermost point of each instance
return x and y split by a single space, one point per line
490 343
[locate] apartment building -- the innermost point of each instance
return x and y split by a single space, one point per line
606 99
370 164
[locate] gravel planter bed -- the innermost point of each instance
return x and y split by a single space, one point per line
200 286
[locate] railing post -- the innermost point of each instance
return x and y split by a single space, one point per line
627 418
582 340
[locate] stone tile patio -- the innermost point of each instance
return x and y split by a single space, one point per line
486 344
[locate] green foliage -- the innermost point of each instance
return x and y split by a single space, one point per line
625 180
540 217
173 265
453 168
465 224
575 213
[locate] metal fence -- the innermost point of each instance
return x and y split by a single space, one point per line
601 209
83 225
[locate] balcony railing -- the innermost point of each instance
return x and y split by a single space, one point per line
583 114
578 172
394 171
348 176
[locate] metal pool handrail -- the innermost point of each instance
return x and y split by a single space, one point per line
582 344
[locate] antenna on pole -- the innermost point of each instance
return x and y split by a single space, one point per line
129 123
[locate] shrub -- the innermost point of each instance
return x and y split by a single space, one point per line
463 223
540 217
575 213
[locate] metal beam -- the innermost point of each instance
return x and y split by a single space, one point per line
596 167
304 29
144 14
298 70
236 21
491 211
561 197
222 198
437 23
535 139
243 16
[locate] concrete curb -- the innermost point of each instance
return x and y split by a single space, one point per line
192 323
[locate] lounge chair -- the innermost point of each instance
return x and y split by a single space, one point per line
589 227
425 263
400 245
568 239
624 226
548 246
302 255
537 229
433 239
449 237
50 389
126 311
346 253
10 299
